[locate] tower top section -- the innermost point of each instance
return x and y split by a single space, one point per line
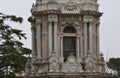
65 6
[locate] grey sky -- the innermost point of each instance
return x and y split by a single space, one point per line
109 27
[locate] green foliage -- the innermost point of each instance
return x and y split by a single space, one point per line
114 64
13 55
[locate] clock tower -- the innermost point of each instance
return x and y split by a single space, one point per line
65 40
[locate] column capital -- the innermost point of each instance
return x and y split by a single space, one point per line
78 36
61 34
88 22
52 21
91 23
38 24
49 21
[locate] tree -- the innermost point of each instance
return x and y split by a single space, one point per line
13 55
114 64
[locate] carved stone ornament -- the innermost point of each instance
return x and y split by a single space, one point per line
71 59
90 63
54 66
70 6
71 66
70 20
62 23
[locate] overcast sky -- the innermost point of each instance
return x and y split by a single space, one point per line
109 27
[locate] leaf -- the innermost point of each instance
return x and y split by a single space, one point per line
114 63
13 55
1 21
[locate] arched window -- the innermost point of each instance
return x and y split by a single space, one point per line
69 42
69 30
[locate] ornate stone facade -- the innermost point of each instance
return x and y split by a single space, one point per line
65 40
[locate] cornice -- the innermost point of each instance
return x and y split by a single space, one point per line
45 12
94 13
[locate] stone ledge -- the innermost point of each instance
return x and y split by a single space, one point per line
69 75
94 13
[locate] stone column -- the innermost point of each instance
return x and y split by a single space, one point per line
50 37
55 37
85 39
98 42
78 48
81 46
38 35
61 47
91 37
33 42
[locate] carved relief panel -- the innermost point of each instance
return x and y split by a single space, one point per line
70 18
